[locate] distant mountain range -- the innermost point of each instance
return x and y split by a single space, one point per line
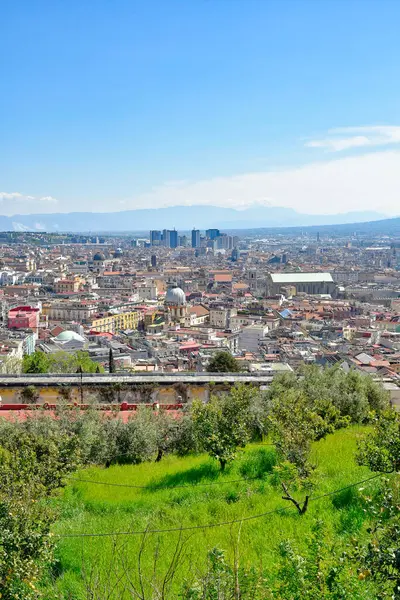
180 217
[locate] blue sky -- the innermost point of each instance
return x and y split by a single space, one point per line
111 104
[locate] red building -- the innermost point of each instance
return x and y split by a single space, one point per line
23 317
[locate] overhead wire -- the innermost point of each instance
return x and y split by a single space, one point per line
151 487
220 524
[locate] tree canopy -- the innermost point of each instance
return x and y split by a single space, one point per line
59 362
223 424
223 362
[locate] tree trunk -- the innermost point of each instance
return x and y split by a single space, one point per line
159 454
222 462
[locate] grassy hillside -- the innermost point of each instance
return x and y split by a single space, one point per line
89 507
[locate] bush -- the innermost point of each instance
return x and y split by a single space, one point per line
29 395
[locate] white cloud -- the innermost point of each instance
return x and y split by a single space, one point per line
357 137
11 196
11 202
360 182
366 182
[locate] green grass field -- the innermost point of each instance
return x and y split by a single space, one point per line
111 561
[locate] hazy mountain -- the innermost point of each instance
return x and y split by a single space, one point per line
180 217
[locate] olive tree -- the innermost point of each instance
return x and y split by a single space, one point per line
223 424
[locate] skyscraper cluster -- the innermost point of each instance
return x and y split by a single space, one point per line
167 238
214 239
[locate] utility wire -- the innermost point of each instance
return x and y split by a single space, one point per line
164 487
212 525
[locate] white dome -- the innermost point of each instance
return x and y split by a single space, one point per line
175 296
67 336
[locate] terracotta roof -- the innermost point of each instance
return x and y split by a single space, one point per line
223 277
240 286
199 310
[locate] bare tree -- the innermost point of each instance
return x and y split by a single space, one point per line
137 575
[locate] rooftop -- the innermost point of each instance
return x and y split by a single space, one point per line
301 277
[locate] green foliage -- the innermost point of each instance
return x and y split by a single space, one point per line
379 558
316 573
64 362
159 505
294 426
224 582
222 425
53 454
223 362
29 395
38 362
134 441
59 362
301 410
26 548
380 450
186 440
355 395
111 393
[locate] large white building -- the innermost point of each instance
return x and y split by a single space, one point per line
70 311
308 283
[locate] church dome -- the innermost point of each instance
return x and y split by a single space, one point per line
68 336
99 256
175 296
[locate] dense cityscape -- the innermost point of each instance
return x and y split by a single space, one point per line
166 302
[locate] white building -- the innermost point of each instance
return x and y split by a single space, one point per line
252 336
220 317
147 292
308 283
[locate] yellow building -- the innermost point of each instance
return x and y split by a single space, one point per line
126 320
68 286
113 323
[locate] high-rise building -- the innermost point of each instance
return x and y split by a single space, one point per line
224 241
170 238
173 239
195 238
155 238
211 234
153 260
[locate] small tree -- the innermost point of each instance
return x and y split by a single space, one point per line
38 362
25 538
222 426
223 362
380 450
294 425
111 362
11 366
64 362
379 558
